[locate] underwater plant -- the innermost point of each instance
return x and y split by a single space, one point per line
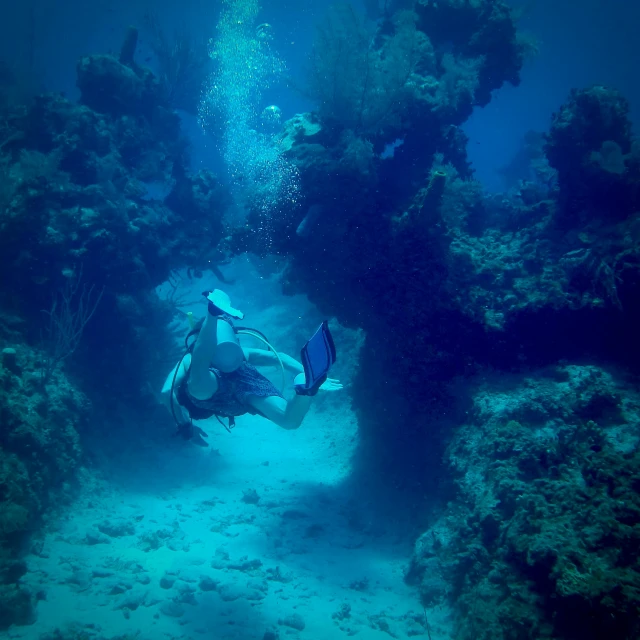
356 80
71 309
183 65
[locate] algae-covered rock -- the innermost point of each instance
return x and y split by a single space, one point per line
16 606
545 528
108 85
40 455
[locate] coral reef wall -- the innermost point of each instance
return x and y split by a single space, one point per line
96 210
373 240
444 278
97 194
390 233
545 528
40 457
451 284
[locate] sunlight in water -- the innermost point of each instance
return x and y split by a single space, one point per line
246 65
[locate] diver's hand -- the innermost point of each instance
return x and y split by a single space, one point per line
331 384
188 431
197 437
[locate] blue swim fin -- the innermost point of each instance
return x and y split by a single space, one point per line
317 356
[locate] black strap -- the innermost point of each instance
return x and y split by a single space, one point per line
232 422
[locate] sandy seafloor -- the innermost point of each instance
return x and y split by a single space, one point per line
168 541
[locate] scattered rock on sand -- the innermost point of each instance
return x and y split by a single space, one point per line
167 580
207 583
93 537
172 609
295 621
116 528
250 496
230 591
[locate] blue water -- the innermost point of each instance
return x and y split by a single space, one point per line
454 186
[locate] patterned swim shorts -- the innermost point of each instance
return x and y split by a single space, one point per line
232 397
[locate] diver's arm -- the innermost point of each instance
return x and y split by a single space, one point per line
262 357
168 383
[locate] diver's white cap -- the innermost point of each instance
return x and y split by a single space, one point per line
221 300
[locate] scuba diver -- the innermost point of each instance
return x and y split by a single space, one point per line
217 377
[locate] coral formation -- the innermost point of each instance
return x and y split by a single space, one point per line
541 540
423 67
96 210
100 190
590 144
393 236
40 456
449 288
452 286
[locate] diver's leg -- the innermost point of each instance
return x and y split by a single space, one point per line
202 382
288 415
